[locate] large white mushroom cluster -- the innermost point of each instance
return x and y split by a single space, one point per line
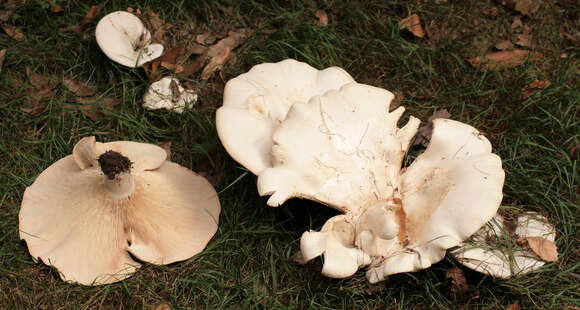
319 135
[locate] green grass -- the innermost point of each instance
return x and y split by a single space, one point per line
249 263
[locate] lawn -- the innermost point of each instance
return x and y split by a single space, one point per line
250 262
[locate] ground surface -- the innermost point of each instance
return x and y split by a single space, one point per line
249 263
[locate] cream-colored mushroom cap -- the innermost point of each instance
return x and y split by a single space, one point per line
257 101
494 250
86 213
344 149
125 40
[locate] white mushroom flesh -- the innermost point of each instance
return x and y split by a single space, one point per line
168 93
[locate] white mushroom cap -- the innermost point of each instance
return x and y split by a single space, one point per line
85 223
447 194
342 148
336 242
167 93
124 39
494 250
257 101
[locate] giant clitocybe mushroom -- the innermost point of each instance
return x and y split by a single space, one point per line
344 149
256 102
125 40
86 213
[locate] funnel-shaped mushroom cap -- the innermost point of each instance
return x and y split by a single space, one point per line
342 148
447 194
257 101
494 249
124 39
88 211
336 241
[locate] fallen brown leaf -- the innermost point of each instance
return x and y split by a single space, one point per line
501 59
527 7
424 133
155 25
93 12
533 87
42 89
200 38
525 39
490 11
572 38
56 9
216 63
162 306
544 248
413 24
167 147
78 88
514 306
95 107
517 23
459 283
233 40
322 18
169 60
504 45
13 32
2 54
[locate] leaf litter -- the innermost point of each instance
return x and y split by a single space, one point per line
502 59
424 133
534 87
413 24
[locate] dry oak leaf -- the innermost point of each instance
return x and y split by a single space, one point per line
322 18
13 32
501 59
155 25
78 88
216 63
504 45
93 12
533 87
413 24
2 54
514 306
544 248
527 7
94 107
458 281
169 60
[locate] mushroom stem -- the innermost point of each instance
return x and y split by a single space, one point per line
117 169
122 186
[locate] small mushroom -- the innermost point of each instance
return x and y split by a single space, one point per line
168 94
344 149
498 250
86 213
125 40
257 101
